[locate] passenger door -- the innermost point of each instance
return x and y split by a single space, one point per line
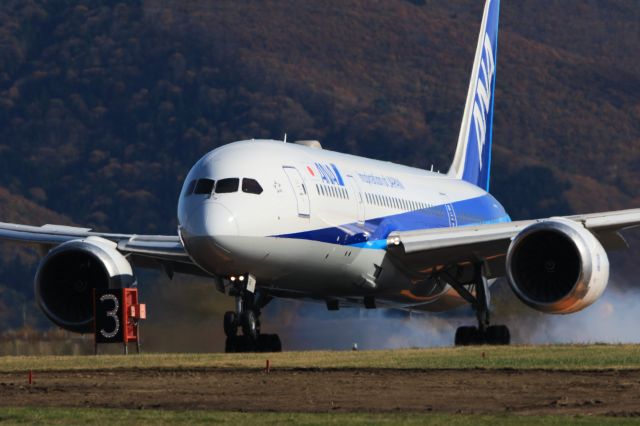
299 189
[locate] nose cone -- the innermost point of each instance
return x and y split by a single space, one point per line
206 232
209 219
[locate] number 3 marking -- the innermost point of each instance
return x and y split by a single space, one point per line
113 314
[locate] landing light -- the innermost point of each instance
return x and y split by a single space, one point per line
241 277
232 278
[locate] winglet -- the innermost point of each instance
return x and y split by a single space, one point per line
472 161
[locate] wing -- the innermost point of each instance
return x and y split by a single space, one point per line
423 250
164 252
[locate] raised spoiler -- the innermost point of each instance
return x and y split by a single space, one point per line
421 250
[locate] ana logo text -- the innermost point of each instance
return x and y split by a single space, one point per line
483 95
329 174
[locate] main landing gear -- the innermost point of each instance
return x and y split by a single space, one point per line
247 318
484 333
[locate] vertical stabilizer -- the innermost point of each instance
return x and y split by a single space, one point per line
472 160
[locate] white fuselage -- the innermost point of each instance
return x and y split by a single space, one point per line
319 225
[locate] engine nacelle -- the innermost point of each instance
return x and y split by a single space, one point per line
68 274
557 266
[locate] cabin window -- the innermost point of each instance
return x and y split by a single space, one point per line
251 186
228 185
204 186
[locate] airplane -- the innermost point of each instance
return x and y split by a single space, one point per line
267 219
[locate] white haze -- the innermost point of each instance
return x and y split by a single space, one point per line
612 319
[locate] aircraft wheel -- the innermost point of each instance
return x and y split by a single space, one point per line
269 343
498 335
249 325
467 335
230 345
276 344
230 324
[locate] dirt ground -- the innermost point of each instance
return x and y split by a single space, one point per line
346 390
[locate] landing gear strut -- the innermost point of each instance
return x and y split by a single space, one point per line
484 333
247 318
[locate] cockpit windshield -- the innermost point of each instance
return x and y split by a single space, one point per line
204 186
190 187
228 185
223 186
251 186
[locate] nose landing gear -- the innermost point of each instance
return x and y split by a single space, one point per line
247 318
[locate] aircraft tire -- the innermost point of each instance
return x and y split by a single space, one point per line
466 336
498 335
274 343
249 325
230 345
230 324
268 343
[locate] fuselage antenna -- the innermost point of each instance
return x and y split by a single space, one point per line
285 138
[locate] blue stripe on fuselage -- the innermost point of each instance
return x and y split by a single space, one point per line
373 234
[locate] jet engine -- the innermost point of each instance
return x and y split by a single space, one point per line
68 274
557 266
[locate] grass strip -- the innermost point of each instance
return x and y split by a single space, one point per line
564 357
83 416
